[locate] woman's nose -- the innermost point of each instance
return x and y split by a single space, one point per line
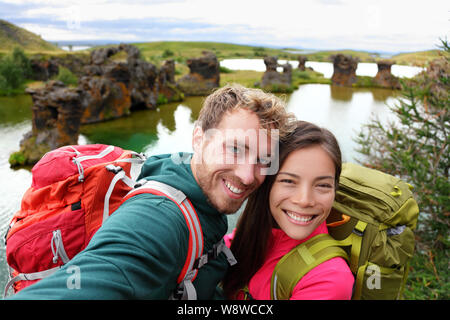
304 197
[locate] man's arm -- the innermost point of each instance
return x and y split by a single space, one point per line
137 254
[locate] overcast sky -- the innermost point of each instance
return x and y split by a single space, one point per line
373 25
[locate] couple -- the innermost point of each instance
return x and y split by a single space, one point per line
290 185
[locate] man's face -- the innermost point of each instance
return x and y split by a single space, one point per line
229 160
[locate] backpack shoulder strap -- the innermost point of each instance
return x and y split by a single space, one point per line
195 246
299 261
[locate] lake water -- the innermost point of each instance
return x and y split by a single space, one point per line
364 69
75 48
168 129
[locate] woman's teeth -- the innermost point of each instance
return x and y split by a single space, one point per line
296 217
233 188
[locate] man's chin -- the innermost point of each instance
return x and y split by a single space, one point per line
228 208
229 212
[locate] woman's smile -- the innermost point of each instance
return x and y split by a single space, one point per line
299 219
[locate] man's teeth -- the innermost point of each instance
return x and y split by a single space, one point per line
297 218
233 188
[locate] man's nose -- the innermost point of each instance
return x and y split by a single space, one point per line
246 173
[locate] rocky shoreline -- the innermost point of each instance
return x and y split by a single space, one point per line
109 87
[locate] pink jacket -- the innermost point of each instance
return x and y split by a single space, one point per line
331 280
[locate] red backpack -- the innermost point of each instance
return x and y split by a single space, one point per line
74 190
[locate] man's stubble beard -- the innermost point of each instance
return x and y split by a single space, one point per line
205 184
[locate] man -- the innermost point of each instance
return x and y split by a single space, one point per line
141 249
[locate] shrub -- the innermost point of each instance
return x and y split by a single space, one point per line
167 53
21 60
12 75
66 76
225 70
415 147
259 52
14 69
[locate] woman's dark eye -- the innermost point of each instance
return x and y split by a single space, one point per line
325 186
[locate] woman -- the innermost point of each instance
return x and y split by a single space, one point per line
288 209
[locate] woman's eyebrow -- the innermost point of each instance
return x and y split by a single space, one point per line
325 177
297 177
289 174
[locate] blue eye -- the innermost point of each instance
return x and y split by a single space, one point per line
234 149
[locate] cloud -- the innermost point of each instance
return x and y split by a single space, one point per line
380 25
75 34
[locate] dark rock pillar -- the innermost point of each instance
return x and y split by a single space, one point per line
56 121
344 70
384 77
203 77
272 78
301 63
167 90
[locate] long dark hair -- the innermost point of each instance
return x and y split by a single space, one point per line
254 227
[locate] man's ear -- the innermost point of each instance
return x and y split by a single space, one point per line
197 139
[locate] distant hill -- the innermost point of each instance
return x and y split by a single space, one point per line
181 50
188 49
12 36
420 58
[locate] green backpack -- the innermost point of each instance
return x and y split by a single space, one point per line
371 226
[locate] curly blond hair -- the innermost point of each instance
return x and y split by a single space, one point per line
270 109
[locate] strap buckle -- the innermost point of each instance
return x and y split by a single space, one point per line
114 169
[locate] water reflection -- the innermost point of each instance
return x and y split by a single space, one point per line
15 109
341 93
151 131
342 110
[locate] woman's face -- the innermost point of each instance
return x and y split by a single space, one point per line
303 192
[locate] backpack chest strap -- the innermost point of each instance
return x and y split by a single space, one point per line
299 261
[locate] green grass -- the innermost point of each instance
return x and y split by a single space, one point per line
421 58
301 77
324 56
428 277
244 77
